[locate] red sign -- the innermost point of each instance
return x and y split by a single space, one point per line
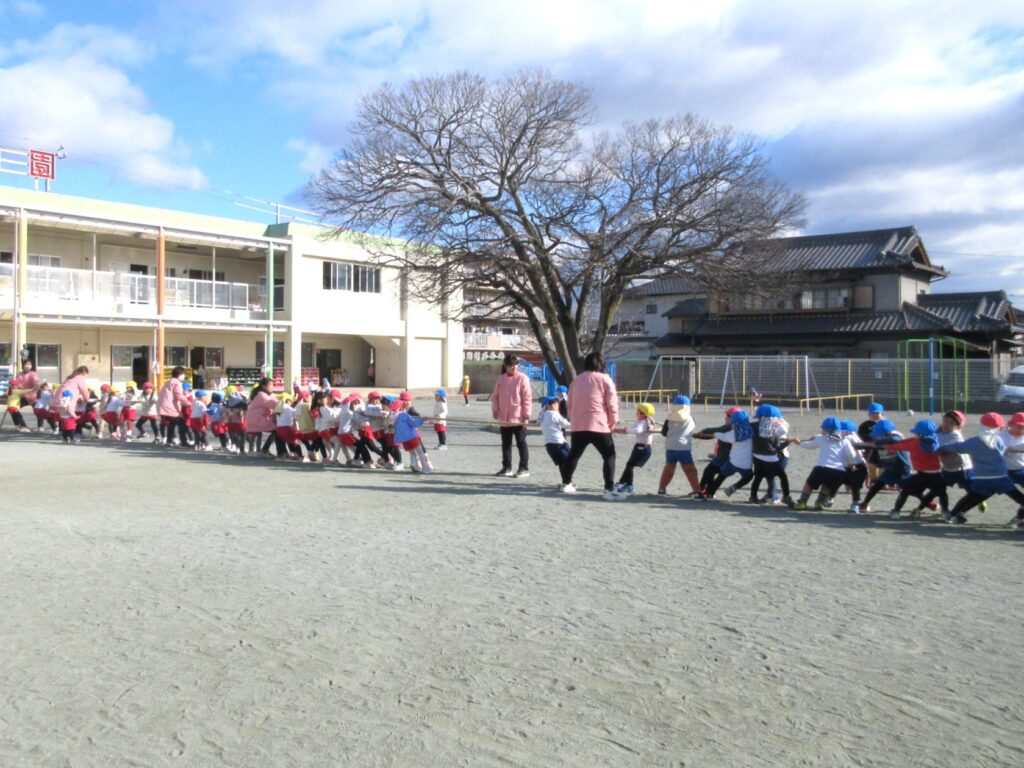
40 164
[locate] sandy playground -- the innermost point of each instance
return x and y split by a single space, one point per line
166 608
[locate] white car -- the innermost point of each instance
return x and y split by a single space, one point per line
1012 390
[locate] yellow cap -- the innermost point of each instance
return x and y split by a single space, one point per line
130 385
232 389
284 396
646 409
114 390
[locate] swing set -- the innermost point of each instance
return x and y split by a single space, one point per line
935 373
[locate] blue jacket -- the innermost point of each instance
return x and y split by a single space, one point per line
406 427
988 462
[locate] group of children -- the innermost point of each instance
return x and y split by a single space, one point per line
872 455
309 424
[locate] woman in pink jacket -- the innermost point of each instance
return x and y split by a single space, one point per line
511 402
260 418
75 383
168 407
22 392
593 413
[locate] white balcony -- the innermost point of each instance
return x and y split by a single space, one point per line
496 342
126 294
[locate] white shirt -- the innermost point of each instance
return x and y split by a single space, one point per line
1014 460
346 420
328 417
198 409
286 418
741 455
551 425
643 432
832 453
858 456
440 411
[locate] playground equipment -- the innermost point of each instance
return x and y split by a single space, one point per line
936 366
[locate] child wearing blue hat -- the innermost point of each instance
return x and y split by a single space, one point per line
876 412
835 459
856 476
892 466
562 396
552 427
925 465
440 419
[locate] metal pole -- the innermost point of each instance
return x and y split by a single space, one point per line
725 379
161 290
931 376
807 376
269 354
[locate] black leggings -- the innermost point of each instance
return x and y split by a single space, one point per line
767 470
639 455
442 438
923 485
709 474
178 423
605 446
519 434
973 499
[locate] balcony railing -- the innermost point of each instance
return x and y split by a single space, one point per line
126 293
497 341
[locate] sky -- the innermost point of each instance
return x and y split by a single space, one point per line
883 113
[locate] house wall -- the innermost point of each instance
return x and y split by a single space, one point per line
888 291
911 287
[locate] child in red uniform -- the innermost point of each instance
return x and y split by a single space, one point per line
146 411
198 421
128 413
407 424
67 419
440 419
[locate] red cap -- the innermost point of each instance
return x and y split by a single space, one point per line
104 388
1018 418
375 395
336 394
405 397
992 421
734 409
958 416
395 405
147 385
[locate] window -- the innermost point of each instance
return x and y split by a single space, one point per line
5 353
261 358
351 277
307 353
864 297
214 357
6 257
203 274
38 260
838 298
278 292
651 309
175 356
121 356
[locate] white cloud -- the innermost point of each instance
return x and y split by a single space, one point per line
70 89
26 9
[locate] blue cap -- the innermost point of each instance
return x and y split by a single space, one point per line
830 424
882 428
441 392
740 417
876 408
562 388
66 393
389 399
924 428
546 401
680 400
847 426
200 393
186 386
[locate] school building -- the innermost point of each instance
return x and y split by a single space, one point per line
128 290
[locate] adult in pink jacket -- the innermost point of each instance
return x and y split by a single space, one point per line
22 392
169 402
75 383
511 402
593 413
259 417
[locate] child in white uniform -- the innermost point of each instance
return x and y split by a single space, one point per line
644 431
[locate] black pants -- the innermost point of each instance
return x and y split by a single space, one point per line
605 446
558 452
179 424
923 484
442 438
973 499
855 481
767 470
709 474
519 433
18 419
637 458
362 452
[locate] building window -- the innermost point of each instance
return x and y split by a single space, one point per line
278 292
204 274
864 297
278 354
651 309
307 354
175 356
5 353
357 278
42 260
213 357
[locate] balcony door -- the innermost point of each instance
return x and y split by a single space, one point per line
129 363
139 289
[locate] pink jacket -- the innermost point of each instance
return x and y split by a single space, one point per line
512 399
28 381
260 415
79 390
593 403
170 399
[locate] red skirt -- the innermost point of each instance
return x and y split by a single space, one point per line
111 418
198 425
236 427
289 434
412 445
69 424
440 427
348 439
218 429
128 414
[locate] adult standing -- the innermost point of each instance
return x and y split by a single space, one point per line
22 392
169 403
199 377
511 402
260 416
593 413
76 385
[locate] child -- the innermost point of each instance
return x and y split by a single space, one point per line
216 413
285 430
876 412
43 409
392 449
186 413
146 411
373 427
234 416
101 409
110 409
328 420
741 454
719 454
856 477
358 428
925 464
440 419
198 421
562 396
892 467
553 426
85 414
67 419
956 468
128 412
465 388
305 422
1013 437
407 434
677 430
990 471
835 458
644 431
117 406
771 436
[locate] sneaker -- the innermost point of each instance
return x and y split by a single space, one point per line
915 514
625 489
958 520
821 505
695 496
522 474
788 501
568 488
56 431
827 504
946 515
504 473
894 514
662 491
442 447
612 496
800 506
865 509
24 429
855 509
731 489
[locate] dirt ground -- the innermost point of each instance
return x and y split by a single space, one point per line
167 608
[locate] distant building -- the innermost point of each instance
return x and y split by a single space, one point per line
854 294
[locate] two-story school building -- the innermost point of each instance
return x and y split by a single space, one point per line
128 290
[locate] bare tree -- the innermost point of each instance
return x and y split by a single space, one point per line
491 185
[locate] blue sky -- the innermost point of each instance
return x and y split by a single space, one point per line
882 113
